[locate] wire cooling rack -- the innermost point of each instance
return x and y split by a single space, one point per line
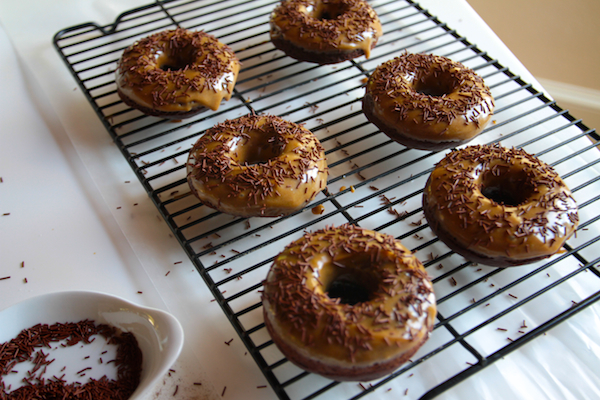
484 313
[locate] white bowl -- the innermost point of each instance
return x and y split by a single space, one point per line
159 334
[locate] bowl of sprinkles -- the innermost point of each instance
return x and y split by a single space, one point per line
84 345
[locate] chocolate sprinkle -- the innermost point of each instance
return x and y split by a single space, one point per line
23 348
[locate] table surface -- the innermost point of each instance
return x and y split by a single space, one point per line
73 215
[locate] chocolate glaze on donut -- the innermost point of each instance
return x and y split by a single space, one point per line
348 338
427 102
176 74
257 165
500 207
325 31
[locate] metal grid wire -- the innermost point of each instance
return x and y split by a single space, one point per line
484 313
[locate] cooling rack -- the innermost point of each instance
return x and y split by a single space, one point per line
484 313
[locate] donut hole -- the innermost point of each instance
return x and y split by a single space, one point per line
350 284
329 11
259 148
436 85
509 187
176 59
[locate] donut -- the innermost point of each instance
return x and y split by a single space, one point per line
499 206
325 31
348 303
427 102
176 74
257 165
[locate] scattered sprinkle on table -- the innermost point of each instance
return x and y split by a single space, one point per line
85 369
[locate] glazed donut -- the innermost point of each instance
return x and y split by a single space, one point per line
176 74
497 206
427 102
257 166
348 303
325 31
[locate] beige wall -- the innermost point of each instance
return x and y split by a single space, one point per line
554 39
557 40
